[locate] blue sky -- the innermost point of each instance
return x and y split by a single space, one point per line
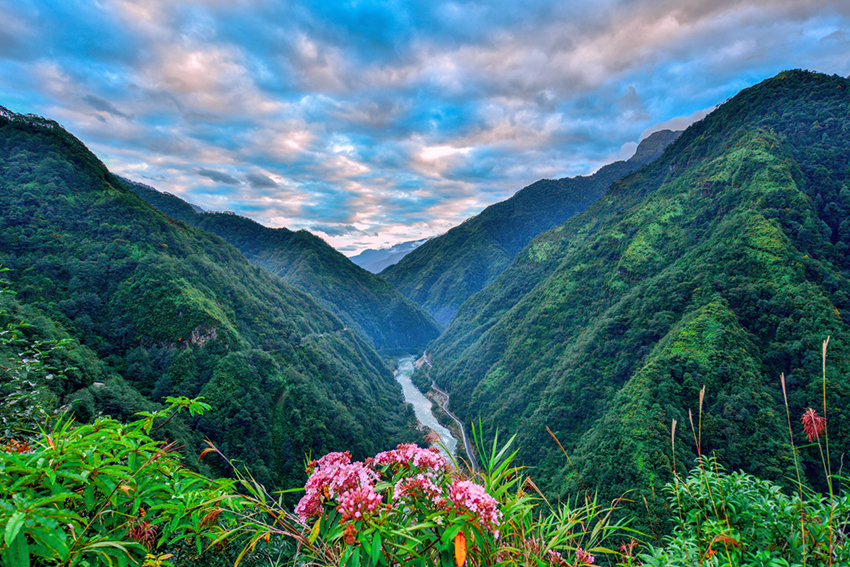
376 122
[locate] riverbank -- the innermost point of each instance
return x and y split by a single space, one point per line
422 408
441 399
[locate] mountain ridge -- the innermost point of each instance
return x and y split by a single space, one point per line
722 264
364 301
375 260
153 307
445 271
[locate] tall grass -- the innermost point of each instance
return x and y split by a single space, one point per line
736 519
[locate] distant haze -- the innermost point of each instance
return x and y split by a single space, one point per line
377 260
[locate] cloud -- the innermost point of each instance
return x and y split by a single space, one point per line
218 176
336 230
103 105
260 181
396 120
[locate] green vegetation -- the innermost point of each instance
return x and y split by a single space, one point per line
363 301
445 271
109 494
697 291
721 264
150 308
113 493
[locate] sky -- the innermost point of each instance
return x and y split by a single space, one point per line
371 123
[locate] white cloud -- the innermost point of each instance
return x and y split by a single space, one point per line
397 120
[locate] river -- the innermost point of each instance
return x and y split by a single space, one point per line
422 405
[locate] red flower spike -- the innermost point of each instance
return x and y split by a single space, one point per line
813 424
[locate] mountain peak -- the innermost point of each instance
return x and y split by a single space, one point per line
651 147
448 269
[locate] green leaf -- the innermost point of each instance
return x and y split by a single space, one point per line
53 540
376 548
314 533
353 558
88 497
14 526
17 554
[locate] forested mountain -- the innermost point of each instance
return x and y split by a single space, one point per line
721 265
445 271
156 308
365 302
376 260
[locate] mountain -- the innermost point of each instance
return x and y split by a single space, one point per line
376 260
445 271
721 265
152 307
363 301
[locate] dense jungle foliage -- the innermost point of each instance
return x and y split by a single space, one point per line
445 271
363 301
152 308
722 264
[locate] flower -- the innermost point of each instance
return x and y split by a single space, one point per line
466 496
142 531
555 558
813 424
627 549
410 455
421 484
333 476
584 558
359 504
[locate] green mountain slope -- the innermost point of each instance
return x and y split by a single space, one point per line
445 271
365 302
722 264
167 309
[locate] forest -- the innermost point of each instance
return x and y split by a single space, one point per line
720 265
657 380
151 307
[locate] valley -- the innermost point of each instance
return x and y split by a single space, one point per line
583 318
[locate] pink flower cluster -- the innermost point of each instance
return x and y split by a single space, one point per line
469 497
410 455
419 474
584 558
555 558
359 504
537 546
420 485
333 477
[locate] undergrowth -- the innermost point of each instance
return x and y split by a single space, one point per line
106 493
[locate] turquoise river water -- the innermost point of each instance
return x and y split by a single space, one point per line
422 405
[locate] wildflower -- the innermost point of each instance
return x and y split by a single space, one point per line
310 505
421 484
349 533
334 459
142 531
410 455
584 558
813 424
555 558
332 477
211 517
467 496
537 547
359 504
627 549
